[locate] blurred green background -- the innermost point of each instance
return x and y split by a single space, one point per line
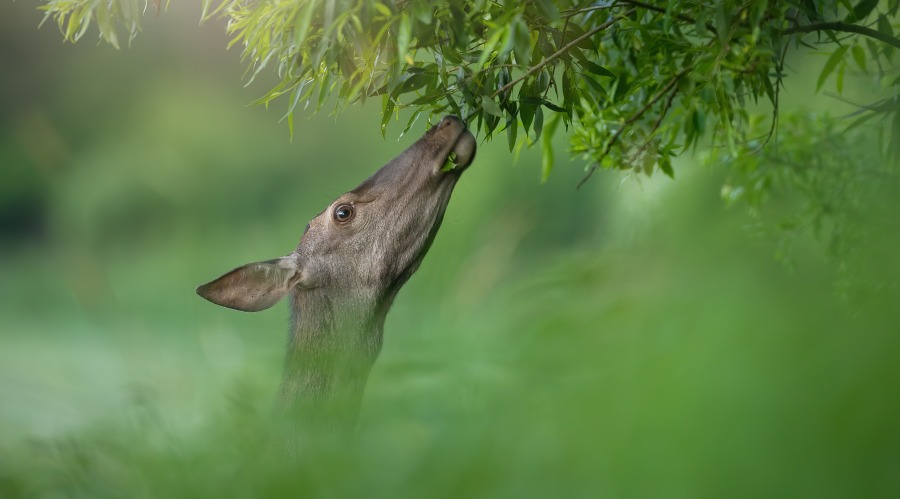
629 339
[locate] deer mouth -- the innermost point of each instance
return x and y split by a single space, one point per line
462 153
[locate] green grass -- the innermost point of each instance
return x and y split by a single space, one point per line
668 366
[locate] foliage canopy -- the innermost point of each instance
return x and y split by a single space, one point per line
635 83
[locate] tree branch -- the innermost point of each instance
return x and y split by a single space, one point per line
658 122
775 102
631 119
574 12
565 48
845 28
663 10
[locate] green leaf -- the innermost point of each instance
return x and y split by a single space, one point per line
411 122
700 23
769 89
105 24
884 26
546 159
451 55
491 122
569 92
490 106
79 22
698 120
548 9
453 105
543 102
859 55
621 88
290 120
324 90
411 83
594 84
503 79
723 20
665 165
526 113
862 9
597 69
302 23
866 116
422 11
830 64
538 122
404 36
380 7
846 3
387 109
547 149
427 99
521 42
512 128
808 7
489 47
839 80
553 107
574 32
542 82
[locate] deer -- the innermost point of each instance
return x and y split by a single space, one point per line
343 276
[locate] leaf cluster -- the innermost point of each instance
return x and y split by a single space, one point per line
633 83
75 17
825 183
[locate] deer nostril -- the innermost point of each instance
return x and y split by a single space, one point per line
447 120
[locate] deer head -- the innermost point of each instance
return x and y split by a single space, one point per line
350 263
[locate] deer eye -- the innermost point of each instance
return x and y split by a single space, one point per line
343 213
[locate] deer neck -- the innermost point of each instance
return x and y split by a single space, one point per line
333 343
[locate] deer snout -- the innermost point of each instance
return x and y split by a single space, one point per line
462 152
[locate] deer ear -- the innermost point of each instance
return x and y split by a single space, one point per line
253 287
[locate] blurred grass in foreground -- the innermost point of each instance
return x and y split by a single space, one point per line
683 364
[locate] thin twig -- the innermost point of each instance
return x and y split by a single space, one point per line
884 105
631 119
774 127
846 28
658 122
574 12
663 10
561 37
565 48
